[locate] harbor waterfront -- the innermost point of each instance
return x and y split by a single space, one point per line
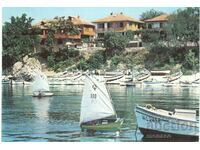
27 118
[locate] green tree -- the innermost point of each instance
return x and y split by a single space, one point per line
183 26
50 41
51 61
150 14
115 43
130 35
19 40
96 60
152 36
191 60
64 26
83 65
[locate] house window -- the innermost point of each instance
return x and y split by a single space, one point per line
161 25
119 25
109 25
59 41
101 25
130 23
149 26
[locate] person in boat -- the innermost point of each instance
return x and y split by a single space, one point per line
40 93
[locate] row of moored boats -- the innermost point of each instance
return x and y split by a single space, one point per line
122 78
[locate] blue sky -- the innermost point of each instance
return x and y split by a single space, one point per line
86 13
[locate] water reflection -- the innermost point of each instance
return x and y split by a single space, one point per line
41 111
41 107
56 118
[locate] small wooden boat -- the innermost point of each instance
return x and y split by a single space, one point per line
143 75
155 122
127 80
114 79
41 86
97 110
160 73
175 76
42 94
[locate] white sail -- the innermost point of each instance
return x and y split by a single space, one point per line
96 101
40 83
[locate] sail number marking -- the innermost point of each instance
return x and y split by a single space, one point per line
93 96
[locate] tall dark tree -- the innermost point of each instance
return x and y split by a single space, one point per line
50 41
19 40
114 43
183 26
150 14
63 25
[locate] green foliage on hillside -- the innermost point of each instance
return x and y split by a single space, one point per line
163 57
115 43
183 26
176 44
96 60
19 39
62 59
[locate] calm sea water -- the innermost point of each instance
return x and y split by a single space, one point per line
25 118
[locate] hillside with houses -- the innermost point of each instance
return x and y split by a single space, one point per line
156 41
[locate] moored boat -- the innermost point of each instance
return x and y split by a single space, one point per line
153 122
114 79
127 80
175 76
42 94
143 75
97 110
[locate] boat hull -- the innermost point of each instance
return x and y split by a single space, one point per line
150 123
150 135
42 94
113 126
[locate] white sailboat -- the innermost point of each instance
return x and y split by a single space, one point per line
181 123
41 86
97 110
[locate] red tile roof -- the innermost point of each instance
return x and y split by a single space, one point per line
78 21
116 17
163 17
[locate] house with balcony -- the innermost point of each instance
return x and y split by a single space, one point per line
87 28
116 22
158 22
62 37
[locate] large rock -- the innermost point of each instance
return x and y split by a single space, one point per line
17 67
26 69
